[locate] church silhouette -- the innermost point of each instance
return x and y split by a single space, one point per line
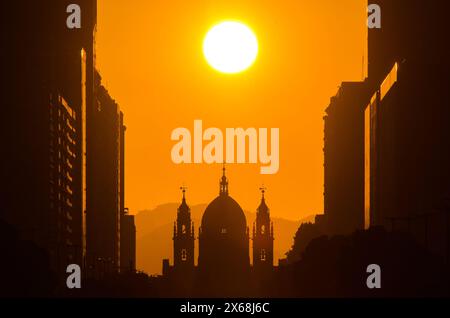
224 267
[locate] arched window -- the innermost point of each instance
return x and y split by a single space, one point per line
183 254
183 229
263 229
263 255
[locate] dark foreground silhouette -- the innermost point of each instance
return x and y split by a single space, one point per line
24 267
336 267
328 267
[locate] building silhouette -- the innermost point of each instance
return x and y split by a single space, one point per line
46 85
127 243
223 241
183 238
408 123
183 271
263 240
400 128
105 208
127 225
344 159
223 261
53 114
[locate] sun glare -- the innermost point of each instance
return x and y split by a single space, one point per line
230 47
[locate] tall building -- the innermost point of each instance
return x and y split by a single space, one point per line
381 145
408 123
407 175
45 92
263 239
127 225
386 157
65 139
65 181
104 187
344 159
412 31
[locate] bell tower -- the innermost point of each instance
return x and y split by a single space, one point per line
183 237
263 238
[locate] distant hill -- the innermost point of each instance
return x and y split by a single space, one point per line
154 230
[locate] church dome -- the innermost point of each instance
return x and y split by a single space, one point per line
224 214
223 240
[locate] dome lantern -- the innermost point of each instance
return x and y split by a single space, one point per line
223 183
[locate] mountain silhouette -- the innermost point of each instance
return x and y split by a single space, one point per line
154 230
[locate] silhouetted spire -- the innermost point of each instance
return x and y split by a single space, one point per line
183 206
224 183
183 241
263 190
183 190
263 208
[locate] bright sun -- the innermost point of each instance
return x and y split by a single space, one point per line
230 47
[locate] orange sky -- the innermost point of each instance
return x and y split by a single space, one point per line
150 56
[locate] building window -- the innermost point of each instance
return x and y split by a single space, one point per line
183 229
263 229
183 254
263 255
223 231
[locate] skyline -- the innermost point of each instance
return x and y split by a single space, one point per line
301 69
385 227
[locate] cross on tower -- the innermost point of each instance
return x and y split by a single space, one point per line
263 190
183 189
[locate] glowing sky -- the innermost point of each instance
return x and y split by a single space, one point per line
150 56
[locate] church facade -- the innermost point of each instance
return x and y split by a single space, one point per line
223 266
